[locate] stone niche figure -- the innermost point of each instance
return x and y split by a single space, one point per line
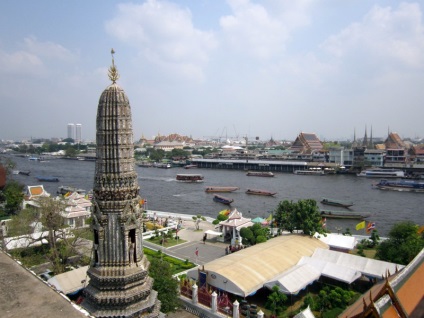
132 253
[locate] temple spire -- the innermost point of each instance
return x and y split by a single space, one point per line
113 72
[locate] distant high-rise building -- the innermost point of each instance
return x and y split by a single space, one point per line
78 133
71 131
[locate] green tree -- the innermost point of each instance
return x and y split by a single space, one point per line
197 220
275 301
71 151
403 244
375 238
329 298
14 195
62 242
303 215
178 153
247 235
156 154
164 284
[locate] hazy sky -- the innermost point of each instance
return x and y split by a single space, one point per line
270 68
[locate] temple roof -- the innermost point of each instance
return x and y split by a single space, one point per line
306 143
393 141
399 295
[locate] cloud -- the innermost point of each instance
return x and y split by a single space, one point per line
262 32
165 35
384 35
33 57
21 62
48 50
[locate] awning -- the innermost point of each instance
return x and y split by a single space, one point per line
212 232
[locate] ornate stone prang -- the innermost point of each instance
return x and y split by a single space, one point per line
119 283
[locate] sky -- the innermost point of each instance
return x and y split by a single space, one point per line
215 68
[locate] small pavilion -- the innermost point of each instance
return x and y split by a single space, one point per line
230 228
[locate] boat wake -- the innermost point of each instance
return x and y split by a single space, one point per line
156 179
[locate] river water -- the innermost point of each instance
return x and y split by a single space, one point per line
164 193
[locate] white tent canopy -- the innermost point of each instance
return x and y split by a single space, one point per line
338 241
367 266
295 279
331 270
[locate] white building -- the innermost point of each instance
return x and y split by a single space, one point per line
71 131
78 133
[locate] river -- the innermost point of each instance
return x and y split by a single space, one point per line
164 193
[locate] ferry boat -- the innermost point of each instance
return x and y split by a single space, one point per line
259 174
310 172
381 173
47 178
223 200
189 178
22 172
145 164
333 202
344 214
190 166
402 185
221 189
260 192
163 165
62 190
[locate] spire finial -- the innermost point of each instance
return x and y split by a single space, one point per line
113 72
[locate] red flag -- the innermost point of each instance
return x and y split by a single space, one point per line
196 252
370 226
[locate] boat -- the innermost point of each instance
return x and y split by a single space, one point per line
260 192
221 189
333 202
223 200
381 173
145 164
310 172
47 179
401 185
344 214
259 174
190 166
189 178
66 189
163 165
24 172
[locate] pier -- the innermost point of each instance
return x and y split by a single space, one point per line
260 165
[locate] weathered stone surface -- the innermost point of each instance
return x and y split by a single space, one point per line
119 282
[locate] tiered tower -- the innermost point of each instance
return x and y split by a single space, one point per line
119 283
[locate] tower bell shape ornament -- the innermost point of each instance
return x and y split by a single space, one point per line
119 283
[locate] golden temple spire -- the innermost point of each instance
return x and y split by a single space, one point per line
113 72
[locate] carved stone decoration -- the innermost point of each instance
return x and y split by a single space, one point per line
119 283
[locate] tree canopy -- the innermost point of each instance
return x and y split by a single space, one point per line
403 244
302 215
164 284
48 217
13 194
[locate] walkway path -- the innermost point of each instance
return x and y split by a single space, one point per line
205 252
